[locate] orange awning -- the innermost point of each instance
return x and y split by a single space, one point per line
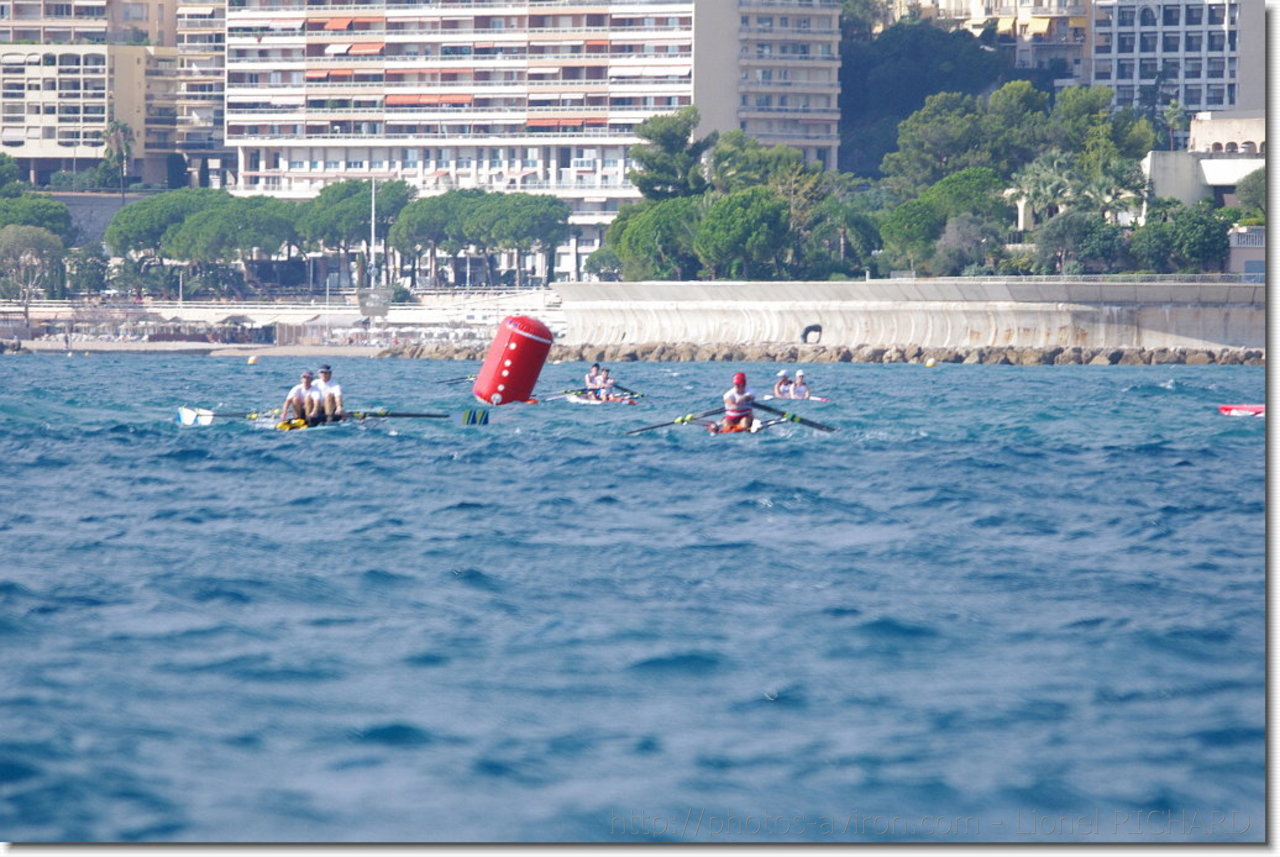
337 23
402 99
342 72
456 99
316 75
367 49
596 43
542 123
428 99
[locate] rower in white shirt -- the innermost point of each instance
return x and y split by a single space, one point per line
330 395
303 401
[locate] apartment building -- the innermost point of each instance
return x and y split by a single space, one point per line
68 69
541 96
200 96
1205 55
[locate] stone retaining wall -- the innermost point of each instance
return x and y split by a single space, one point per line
727 352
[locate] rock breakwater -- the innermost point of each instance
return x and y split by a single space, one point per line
661 352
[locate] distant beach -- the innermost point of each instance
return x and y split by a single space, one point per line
212 349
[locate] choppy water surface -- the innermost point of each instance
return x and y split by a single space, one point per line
1002 603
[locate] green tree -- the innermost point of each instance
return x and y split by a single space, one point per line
431 225
1200 236
943 137
232 232
738 161
1251 192
140 226
119 141
967 242
655 240
35 209
973 190
910 229
86 269
1078 242
338 217
1046 184
11 183
1152 246
669 161
530 222
28 257
742 234
885 79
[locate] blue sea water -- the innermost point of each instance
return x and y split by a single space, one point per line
1015 604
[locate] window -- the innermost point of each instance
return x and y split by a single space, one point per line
1172 42
1191 96
1195 15
1102 71
1172 14
1125 16
1124 95
1124 43
1195 42
1148 17
1124 70
1147 43
1193 69
1217 42
1215 94
1147 69
1217 67
1217 15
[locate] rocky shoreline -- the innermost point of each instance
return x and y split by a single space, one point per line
689 352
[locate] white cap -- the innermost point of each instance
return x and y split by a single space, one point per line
799 371
782 373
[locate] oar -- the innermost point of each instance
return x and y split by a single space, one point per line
204 416
794 418
458 380
469 417
362 415
630 392
679 421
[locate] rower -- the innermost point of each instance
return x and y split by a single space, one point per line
782 387
591 382
606 386
737 404
330 395
303 401
800 389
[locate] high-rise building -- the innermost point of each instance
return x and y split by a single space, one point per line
68 70
1204 55
200 97
539 96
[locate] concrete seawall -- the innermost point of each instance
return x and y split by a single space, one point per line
929 313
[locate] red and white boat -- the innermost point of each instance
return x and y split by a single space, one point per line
1243 410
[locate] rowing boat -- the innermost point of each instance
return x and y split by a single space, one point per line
1243 410
579 399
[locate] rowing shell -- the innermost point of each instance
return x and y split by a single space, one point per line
1243 410
577 399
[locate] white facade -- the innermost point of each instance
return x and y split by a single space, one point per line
540 96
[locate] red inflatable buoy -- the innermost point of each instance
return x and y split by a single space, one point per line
515 358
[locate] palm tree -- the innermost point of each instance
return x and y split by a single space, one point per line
119 140
1175 120
1047 184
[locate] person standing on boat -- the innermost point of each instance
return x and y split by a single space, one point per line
800 389
330 395
782 387
303 401
591 383
737 404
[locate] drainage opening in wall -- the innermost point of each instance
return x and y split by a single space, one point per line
812 334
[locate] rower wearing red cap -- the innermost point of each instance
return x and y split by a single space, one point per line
737 405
